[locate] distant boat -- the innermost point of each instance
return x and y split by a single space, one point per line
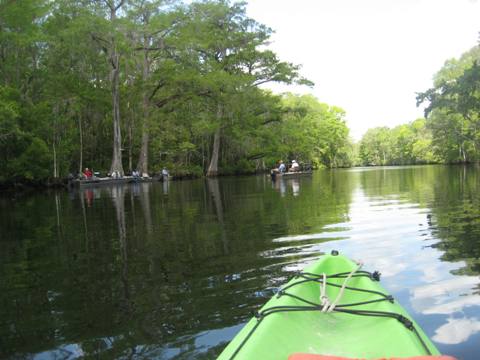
290 174
295 173
101 181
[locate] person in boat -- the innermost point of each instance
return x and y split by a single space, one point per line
280 169
87 173
115 174
295 166
165 174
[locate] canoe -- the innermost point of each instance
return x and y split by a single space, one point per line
311 314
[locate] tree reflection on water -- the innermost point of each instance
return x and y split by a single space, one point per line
140 270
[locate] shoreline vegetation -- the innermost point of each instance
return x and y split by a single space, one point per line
142 85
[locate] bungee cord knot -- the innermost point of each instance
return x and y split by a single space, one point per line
327 305
376 275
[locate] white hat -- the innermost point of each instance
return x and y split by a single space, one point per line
294 161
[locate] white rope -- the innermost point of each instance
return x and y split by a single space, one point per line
325 301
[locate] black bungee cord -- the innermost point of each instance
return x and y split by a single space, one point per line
340 308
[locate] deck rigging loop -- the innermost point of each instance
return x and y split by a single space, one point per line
330 306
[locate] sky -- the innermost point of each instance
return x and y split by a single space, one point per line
369 57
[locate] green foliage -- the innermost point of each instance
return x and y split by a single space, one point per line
375 147
186 72
34 162
311 132
402 145
452 108
23 156
9 114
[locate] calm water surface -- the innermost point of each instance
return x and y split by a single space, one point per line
172 271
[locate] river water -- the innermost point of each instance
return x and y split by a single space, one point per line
172 271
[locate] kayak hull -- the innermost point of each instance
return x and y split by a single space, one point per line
277 335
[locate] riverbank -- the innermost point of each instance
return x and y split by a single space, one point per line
185 175
175 175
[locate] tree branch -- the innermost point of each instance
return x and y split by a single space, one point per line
99 39
149 48
120 4
262 82
256 156
170 98
159 85
270 121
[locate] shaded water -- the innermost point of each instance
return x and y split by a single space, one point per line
173 270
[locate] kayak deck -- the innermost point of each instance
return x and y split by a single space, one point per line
365 323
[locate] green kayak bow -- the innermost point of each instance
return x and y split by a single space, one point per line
333 307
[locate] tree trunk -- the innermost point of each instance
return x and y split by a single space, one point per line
80 130
117 165
213 167
462 154
203 153
117 135
130 144
142 166
54 140
131 120
55 169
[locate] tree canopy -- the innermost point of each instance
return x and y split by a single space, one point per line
119 85
452 109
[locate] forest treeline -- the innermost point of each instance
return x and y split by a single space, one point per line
118 85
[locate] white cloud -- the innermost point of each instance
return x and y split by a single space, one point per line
446 296
454 306
458 284
456 331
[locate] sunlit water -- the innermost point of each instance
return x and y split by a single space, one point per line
174 270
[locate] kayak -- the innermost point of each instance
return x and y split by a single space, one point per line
331 308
